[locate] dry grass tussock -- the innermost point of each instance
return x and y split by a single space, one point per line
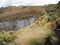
38 33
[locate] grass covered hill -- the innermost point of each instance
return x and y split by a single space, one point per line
13 12
39 33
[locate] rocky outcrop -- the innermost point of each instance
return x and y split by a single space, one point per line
16 24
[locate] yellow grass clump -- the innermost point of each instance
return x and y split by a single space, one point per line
39 33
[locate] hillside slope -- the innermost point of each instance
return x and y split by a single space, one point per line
13 12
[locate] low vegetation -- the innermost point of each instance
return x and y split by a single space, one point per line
39 33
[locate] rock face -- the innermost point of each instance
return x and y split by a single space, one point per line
22 23
16 24
5 25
